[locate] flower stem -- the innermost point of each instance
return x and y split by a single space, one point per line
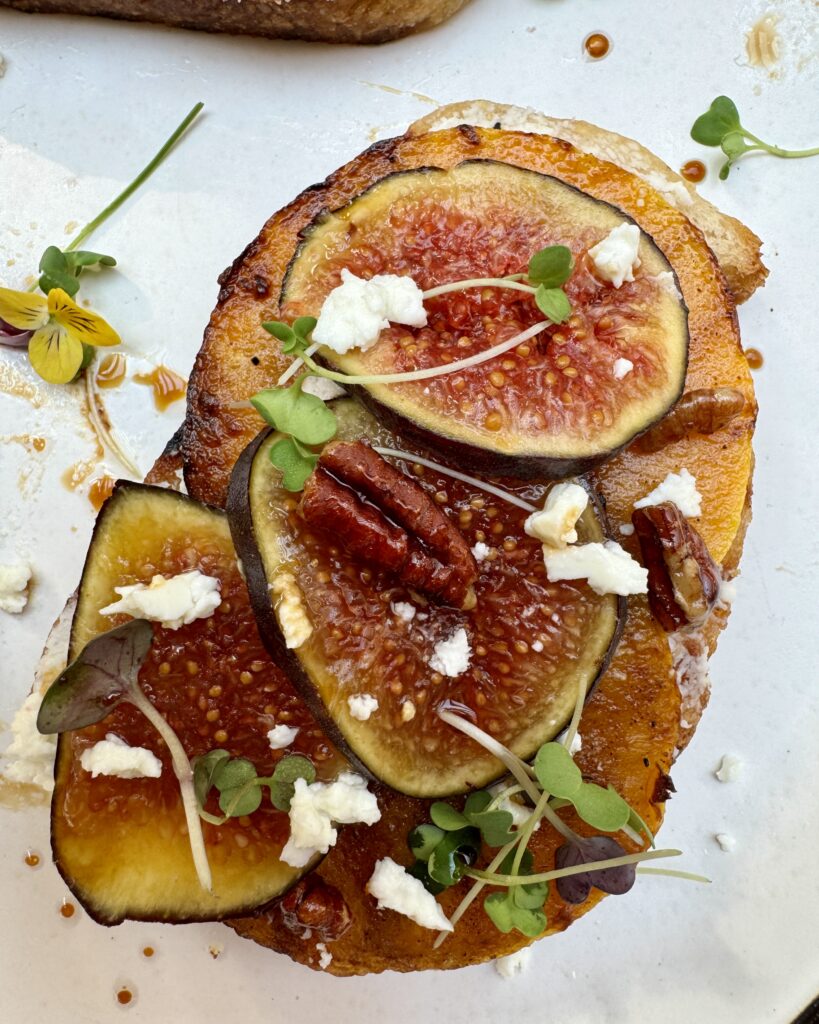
139 180
184 773
478 282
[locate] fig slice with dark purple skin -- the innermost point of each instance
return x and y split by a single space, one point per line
351 632
556 405
121 844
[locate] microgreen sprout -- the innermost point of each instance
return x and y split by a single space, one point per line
104 675
720 127
239 786
60 335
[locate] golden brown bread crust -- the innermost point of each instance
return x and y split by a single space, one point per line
736 247
334 21
631 727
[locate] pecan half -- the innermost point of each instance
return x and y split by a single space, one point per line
683 578
383 517
703 411
314 906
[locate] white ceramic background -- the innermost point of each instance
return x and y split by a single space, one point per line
82 105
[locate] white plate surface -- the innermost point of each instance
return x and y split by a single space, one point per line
82 103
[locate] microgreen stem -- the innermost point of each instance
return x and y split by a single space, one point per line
140 179
579 704
294 367
786 154
431 371
394 453
504 794
575 869
184 774
674 874
479 282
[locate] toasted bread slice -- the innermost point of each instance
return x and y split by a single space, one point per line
735 246
338 21
632 728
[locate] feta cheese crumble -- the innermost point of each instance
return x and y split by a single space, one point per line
325 956
30 755
626 529
113 756
172 602
681 489
480 551
555 523
315 808
281 736
730 768
622 368
451 657
615 257
514 964
607 567
293 619
322 388
14 580
726 843
397 890
362 705
537 646
403 610
354 314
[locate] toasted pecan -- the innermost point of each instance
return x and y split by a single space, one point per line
701 411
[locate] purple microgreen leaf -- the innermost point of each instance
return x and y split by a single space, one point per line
615 881
102 676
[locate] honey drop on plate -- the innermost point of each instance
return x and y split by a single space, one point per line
67 909
32 859
597 45
754 358
111 371
168 387
124 996
100 490
693 171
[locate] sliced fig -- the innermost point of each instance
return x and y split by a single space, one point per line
554 406
121 844
345 627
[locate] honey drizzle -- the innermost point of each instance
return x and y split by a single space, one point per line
100 491
597 45
111 371
168 387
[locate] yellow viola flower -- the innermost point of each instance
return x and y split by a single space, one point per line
60 329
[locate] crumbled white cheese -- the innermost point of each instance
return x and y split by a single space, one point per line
727 843
403 610
514 964
397 890
674 192
730 768
354 314
577 744
555 523
113 756
520 813
14 580
626 529
727 593
325 956
537 646
480 551
293 619
689 654
315 808
30 755
668 283
681 488
362 705
172 602
451 657
607 567
322 388
407 711
281 736
615 257
622 367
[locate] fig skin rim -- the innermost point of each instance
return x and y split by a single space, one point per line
77 891
481 457
244 539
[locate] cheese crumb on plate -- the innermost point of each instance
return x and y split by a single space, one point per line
14 581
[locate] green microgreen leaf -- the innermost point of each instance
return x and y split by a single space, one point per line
530 897
234 774
205 771
601 808
419 870
56 273
83 259
423 839
452 854
446 817
553 303
102 676
721 118
495 827
236 801
500 910
295 463
552 266
476 803
556 771
283 781
294 339
294 412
